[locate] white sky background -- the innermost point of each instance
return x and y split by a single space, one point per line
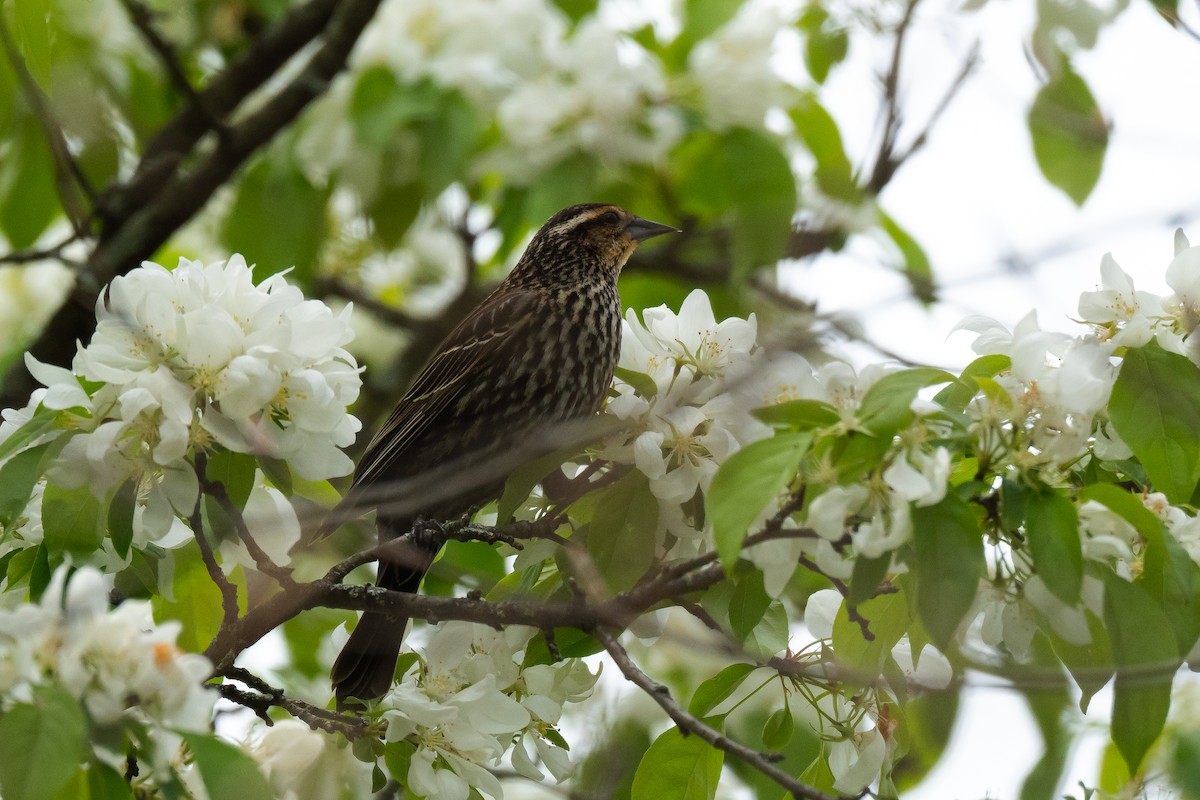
1003 242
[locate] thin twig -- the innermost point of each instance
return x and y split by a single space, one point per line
143 19
687 723
53 252
885 161
144 213
265 564
386 313
264 696
229 601
68 175
964 72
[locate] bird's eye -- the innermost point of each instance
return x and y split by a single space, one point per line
610 218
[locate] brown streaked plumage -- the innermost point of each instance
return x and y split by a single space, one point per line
540 350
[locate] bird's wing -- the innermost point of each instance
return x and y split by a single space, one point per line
487 335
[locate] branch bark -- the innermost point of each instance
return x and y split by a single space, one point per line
141 215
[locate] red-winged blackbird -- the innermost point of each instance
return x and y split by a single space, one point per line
540 350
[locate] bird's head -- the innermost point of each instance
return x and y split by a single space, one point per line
597 238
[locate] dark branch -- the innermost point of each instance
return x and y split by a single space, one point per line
143 19
144 213
687 723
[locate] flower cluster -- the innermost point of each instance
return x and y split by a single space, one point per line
189 359
733 68
552 90
690 407
304 763
681 420
470 698
116 662
1058 385
1051 416
858 752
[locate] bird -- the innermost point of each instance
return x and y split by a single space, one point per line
539 351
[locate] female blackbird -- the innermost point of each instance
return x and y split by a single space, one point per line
538 352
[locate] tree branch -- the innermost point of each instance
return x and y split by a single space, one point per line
146 211
263 696
687 723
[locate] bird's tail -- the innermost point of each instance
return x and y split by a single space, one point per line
365 667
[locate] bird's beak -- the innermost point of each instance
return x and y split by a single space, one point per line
642 229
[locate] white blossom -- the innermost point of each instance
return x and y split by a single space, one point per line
820 611
471 700
929 670
856 762
117 662
1121 313
304 764
733 68
920 476
196 356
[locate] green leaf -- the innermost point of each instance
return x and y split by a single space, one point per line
888 619
957 395
868 574
770 635
1070 135
380 105
43 420
856 454
28 196
234 471
818 129
885 408
949 563
620 536
228 773
105 783
715 690
917 268
744 178
71 520
1185 763
522 480
746 483
577 9
446 142
33 23
17 478
1091 664
393 208
31 564
926 725
197 603
799 415
397 756
678 767
1155 407
1052 528
120 516
96 781
1048 707
642 383
702 18
1144 651
277 219
824 49
747 604
41 744
779 728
